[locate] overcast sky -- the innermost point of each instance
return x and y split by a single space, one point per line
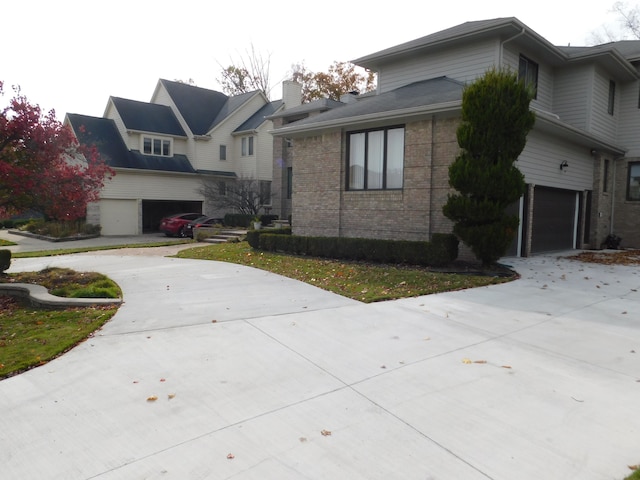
71 55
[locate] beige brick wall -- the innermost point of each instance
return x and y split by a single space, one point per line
322 205
600 220
626 218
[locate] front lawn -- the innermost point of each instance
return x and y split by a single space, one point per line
33 336
365 282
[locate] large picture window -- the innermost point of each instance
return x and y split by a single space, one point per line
633 182
376 159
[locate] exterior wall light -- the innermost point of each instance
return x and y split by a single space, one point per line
563 166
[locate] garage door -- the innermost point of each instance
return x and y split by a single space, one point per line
554 220
119 217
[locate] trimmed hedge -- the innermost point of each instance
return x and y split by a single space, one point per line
5 260
441 250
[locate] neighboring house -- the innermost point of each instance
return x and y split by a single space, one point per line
378 166
163 151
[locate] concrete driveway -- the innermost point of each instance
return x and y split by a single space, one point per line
262 377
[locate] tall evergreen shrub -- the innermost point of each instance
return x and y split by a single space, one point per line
495 122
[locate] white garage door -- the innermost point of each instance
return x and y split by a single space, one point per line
119 217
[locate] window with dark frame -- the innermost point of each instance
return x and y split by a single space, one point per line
605 176
247 146
612 97
633 181
223 152
156 146
289 182
375 159
528 73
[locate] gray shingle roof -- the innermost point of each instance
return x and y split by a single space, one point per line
201 108
198 106
413 96
320 105
258 118
148 117
104 135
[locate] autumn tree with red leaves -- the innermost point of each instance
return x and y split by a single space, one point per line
42 166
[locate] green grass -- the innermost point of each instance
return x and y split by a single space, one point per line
360 281
30 337
635 475
69 251
6 243
33 336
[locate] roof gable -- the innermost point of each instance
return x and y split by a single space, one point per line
198 106
147 117
258 118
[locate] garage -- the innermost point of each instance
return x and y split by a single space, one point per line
119 216
154 210
555 214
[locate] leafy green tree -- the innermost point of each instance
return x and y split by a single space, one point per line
495 122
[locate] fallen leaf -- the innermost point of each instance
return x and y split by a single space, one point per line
302 439
171 395
230 456
162 380
325 433
633 467
214 321
152 398
479 361
427 338
136 381
383 366
506 366
466 360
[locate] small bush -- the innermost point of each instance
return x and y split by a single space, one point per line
5 260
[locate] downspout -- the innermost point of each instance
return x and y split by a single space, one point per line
524 30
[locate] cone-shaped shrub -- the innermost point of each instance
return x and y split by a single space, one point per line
495 122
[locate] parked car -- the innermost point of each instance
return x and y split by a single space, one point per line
174 225
201 222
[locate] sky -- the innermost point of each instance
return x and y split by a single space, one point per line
72 55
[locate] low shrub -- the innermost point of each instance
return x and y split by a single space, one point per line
5 260
60 229
441 250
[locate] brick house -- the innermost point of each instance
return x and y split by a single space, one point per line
377 165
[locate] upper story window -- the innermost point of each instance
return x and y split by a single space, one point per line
157 146
223 152
612 97
633 182
376 159
247 146
528 72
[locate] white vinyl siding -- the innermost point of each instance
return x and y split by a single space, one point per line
463 64
541 158
573 95
629 118
544 92
602 123
152 186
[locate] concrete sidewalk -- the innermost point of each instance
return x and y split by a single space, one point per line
258 377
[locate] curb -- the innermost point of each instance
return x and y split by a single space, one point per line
38 296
